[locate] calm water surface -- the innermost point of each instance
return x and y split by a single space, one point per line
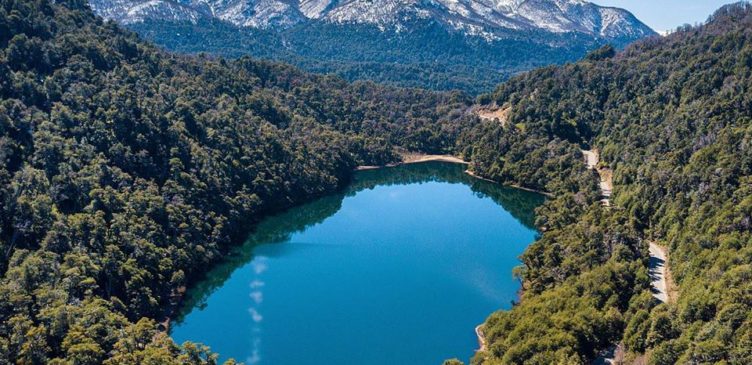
398 269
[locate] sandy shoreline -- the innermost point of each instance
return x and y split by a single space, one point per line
417 158
481 337
408 158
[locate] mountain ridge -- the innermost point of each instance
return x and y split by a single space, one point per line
468 45
487 18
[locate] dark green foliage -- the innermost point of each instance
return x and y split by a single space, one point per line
453 362
423 54
602 53
672 118
126 171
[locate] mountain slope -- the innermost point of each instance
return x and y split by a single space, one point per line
425 56
672 118
444 44
477 17
127 171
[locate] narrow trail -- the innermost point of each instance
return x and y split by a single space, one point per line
657 271
614 355
659 277
657 266
592 158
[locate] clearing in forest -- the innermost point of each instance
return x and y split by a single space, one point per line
491 113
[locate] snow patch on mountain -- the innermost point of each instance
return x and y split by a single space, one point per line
134 11
487 18
314 9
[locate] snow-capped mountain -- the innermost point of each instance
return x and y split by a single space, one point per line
488 18
468 45
251 13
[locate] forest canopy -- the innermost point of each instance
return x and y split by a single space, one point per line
672 117
421 54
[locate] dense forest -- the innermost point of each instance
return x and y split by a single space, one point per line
126 171
424 54
673 118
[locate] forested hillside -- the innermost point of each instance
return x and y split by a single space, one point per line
126 171
421 55
673 118
467 45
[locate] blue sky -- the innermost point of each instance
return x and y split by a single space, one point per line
663 15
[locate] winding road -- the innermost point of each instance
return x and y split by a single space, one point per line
592 158
657 265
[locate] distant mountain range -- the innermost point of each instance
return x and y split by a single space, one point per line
491 19
473 43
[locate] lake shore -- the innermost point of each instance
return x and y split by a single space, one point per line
481 338
412 157
547 194
409 158
440 191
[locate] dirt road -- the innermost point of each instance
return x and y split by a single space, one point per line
592 158
657 271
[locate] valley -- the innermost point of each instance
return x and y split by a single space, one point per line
131 173
361 268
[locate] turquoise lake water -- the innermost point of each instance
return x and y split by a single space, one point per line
397 269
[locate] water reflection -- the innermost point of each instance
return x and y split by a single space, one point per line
280 228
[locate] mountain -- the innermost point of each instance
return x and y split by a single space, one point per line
487 18
492 19
260 14
438 44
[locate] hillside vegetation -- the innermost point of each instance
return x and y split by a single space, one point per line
423 54
126 171
673 118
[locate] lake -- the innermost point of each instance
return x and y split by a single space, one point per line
397 269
